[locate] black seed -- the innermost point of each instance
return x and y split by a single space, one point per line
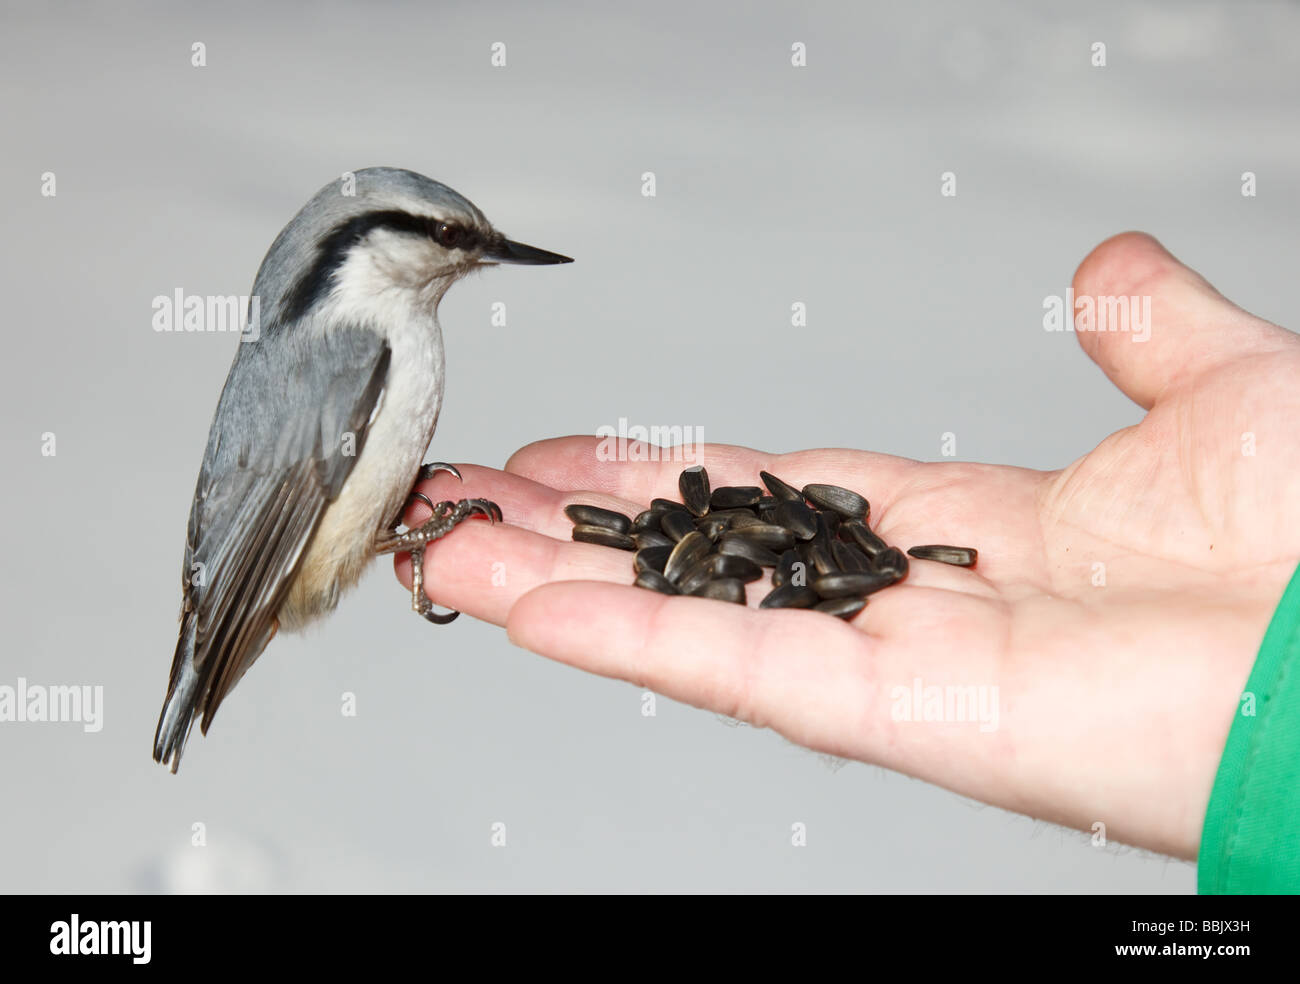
821 560
738 546
667 505
767 502
892 561
790 596
723 589
780 489
647 521
694 579
655 582
797 518
850 585
784 568
677 524
651 559
848 504
958 556
604 537
823 535
862 535
595 516
844 608
693 484
711 525
850 559
764 534
652 538
689 549
804 550
729 565
735 497
740 518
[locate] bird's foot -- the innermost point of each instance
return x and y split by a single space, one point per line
446 517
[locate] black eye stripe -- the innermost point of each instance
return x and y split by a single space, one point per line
332 250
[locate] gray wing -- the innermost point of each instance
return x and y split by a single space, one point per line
276 458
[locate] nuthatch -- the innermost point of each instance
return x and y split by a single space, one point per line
322 425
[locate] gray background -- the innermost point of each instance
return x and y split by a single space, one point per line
775 185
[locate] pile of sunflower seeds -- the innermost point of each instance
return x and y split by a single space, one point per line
822 553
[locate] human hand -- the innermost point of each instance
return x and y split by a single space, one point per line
1113 699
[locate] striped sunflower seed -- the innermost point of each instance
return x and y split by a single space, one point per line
958 556
693 483
603 537
848 504
595 516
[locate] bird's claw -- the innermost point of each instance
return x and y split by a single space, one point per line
427 471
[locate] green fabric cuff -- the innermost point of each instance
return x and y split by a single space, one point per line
1251 840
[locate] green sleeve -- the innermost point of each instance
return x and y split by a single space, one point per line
1251 840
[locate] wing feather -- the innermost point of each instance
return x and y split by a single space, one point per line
275 460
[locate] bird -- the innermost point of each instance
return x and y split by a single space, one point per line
321 429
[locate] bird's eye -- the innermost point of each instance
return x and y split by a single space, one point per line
449 236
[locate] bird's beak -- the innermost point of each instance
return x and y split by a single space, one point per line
507 251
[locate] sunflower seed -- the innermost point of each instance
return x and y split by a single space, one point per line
790 596
655 582
693 484
862 535
689 549
784 568
844 608
667 505
893 562
595 516
653 538
677 524
729 565
735 497
780 489
711 526
959 556
651 559
821 560
850 585
764 534
738 546
603 537
647 521
694 579
767 501
848 504
850 559
797 518
723 589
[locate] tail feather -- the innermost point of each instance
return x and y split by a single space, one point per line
181 705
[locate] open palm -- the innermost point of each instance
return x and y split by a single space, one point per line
1110 624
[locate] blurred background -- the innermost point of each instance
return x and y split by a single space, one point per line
775 184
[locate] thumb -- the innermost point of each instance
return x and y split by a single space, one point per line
1192 328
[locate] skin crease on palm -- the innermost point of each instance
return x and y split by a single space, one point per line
1114 701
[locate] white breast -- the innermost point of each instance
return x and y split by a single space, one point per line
400 430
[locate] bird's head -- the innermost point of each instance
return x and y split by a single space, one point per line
384 236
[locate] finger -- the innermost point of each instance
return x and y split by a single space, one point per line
482 569
592 463
820 682
1191 328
